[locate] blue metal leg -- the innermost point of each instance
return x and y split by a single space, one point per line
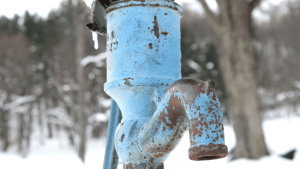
111 157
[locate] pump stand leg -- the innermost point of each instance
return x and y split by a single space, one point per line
111 157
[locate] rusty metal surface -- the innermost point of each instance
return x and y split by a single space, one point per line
143 69
187 102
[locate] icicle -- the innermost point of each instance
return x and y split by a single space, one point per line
95 39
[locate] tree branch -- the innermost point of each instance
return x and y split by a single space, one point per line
209 12
253 4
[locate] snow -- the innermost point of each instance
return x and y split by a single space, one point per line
287 94
281 134
192 64
94 59
19 101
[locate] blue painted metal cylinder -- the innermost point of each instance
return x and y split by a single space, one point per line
143 72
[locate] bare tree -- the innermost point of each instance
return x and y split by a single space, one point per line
238 65
79 29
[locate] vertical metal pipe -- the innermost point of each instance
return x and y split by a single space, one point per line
111 158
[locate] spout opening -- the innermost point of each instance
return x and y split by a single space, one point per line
208 158
208 152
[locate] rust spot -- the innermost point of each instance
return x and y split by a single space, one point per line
160 167
165 33
112 34
164 128
127 80
173 114
122 138
150 45
166 13
129 166
194 131
158 155
155 27
216 139
216 105
210 109
204 123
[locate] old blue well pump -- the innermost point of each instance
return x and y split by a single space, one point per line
144 78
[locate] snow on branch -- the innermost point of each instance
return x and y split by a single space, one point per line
94 59
19 101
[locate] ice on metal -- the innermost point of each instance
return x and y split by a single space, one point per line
95 39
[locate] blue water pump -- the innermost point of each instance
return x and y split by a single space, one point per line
144 78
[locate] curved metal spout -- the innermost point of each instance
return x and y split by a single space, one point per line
192 103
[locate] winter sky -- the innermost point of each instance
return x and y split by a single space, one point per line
11 7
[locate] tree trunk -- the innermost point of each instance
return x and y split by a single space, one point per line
4 129
239 66
50 128
21 132
79 45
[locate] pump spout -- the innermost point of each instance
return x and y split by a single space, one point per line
192 103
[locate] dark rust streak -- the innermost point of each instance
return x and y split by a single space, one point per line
155 27
158 155
165 33
112 34
122 138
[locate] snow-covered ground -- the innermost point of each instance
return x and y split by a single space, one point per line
282 135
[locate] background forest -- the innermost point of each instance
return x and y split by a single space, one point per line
51 77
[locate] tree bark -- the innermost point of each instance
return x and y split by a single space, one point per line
50 127
79 45
21 132
4 129
239 66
